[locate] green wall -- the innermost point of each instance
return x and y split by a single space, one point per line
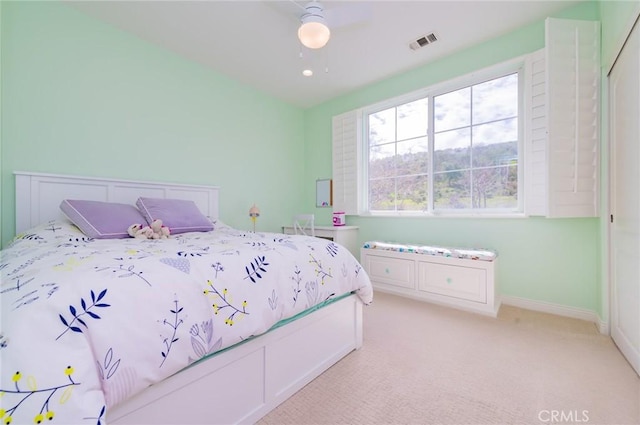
548 260
82 97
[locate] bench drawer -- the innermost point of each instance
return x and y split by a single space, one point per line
392 271
454 281
464 283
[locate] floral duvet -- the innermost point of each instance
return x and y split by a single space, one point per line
88 323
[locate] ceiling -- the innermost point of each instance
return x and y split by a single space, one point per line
255 42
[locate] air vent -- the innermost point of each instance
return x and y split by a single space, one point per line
423 41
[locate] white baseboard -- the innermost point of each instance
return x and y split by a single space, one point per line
557 309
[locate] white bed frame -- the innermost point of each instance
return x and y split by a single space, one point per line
38 195
238 385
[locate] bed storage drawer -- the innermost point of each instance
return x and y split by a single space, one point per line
391 271
459 282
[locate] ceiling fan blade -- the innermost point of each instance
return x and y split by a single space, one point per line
348 14
290 8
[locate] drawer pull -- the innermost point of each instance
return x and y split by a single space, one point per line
449 280
387 271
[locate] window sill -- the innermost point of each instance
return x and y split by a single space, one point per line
467 215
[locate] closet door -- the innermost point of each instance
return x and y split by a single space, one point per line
624 114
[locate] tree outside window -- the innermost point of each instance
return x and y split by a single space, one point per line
467 161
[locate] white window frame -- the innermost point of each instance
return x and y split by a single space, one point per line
513 66
571 55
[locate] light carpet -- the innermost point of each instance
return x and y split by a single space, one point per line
426 364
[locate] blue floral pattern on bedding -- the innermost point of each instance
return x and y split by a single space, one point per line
88 323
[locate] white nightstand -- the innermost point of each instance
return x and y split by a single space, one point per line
346 236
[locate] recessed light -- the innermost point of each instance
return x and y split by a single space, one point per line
307 73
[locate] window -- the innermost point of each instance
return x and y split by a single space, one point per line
447 151
461 147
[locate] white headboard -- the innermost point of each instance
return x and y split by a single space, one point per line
38 195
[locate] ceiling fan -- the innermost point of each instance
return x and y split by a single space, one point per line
313 32
316 21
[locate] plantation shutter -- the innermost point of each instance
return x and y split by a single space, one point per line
346 162
573 90
535 152
562 115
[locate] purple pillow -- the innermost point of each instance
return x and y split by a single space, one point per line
102 220
179 215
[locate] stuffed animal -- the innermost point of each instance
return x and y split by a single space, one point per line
139 231
155 231
159 230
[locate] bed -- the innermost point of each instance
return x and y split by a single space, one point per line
204 327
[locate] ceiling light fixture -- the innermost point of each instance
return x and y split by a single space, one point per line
307 73
314 32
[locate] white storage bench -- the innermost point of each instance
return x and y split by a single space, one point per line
461 278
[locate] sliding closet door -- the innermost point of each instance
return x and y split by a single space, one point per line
624 102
